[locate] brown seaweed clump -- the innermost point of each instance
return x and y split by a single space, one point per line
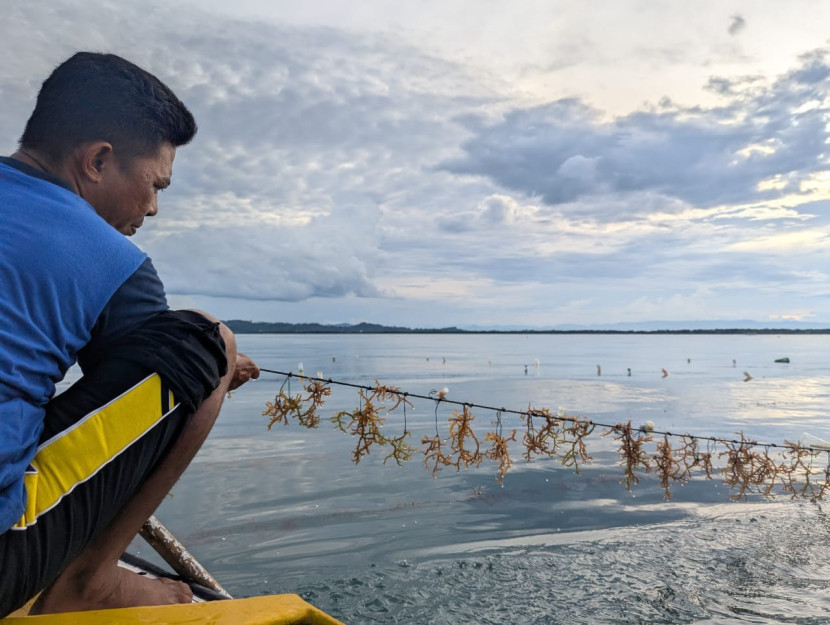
498 452
366 421
286 405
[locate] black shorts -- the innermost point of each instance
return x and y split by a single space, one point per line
103 438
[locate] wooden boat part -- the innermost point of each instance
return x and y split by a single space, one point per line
285 609
177 556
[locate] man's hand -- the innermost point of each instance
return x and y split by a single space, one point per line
245 370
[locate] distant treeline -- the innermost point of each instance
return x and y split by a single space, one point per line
263 327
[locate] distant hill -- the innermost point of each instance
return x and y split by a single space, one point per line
714 325
647 327
264 327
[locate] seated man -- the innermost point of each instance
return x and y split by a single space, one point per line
80 472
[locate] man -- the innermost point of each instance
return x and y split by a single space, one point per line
80 472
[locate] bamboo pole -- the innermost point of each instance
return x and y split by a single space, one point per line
175 554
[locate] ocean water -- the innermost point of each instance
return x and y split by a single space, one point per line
287 510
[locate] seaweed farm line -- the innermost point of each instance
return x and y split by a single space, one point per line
802 471
288 510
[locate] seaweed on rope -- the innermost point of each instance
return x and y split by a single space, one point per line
285 404
365 422
745 466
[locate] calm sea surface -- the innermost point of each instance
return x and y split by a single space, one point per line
287 511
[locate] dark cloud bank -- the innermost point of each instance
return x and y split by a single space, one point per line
563 152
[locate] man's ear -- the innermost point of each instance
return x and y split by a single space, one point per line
95 158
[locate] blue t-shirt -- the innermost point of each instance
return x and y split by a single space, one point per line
140 297
65 286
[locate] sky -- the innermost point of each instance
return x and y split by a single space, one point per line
475 162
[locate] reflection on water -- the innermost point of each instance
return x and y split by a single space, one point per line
795 402
287 511
736 566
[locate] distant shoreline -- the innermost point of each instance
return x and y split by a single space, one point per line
262 327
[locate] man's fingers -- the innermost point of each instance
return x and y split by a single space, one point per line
245 371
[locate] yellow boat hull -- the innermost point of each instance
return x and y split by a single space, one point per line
267 610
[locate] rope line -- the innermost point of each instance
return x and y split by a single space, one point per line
745 465
559 417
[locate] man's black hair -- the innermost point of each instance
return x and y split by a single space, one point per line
102 97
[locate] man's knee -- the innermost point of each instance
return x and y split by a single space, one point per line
190 350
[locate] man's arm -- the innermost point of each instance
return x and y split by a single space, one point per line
138 299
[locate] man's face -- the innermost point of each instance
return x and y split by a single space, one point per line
129 191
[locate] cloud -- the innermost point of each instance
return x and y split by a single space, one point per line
736 24
326 258
493 211
565 152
